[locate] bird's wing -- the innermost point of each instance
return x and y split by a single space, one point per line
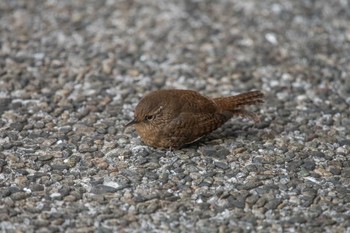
193 102
189 127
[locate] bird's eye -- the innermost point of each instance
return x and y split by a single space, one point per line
148 118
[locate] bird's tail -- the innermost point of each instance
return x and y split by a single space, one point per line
235 104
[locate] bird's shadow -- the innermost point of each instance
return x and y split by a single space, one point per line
233 130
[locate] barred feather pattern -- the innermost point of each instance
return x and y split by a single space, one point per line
233 103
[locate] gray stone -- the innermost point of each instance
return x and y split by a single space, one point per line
72 72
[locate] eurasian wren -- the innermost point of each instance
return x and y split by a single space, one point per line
173 118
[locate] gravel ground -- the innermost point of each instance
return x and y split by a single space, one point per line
71 73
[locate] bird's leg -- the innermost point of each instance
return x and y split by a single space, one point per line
246 114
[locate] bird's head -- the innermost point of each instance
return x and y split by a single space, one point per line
147 111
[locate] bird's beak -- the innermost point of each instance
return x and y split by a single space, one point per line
134 121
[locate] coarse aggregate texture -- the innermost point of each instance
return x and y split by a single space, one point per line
71 73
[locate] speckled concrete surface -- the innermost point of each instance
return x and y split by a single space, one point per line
71 73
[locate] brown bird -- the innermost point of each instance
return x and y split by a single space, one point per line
173 118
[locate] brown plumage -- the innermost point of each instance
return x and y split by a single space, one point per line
173 118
